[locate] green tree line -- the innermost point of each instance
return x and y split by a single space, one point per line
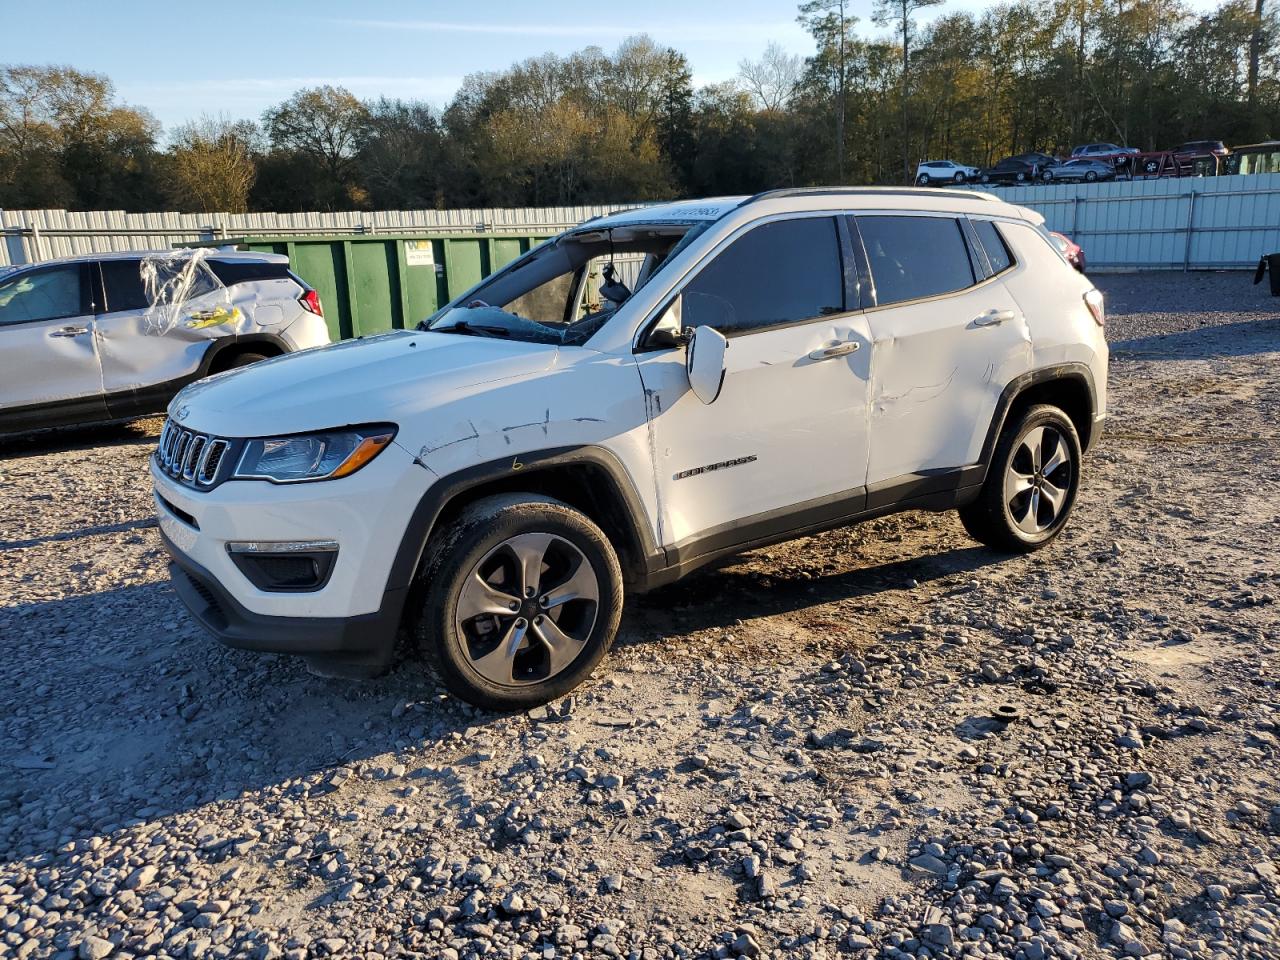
597 126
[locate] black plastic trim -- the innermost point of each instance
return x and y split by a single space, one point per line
423 520
363 643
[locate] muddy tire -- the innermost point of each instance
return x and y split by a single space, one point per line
1031 483
522 600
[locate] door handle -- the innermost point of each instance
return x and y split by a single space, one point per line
992 318
69 332
837 350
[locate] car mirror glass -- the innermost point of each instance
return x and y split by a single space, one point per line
704 362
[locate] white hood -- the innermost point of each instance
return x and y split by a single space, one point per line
381 379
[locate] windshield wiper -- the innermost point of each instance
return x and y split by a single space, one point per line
473 329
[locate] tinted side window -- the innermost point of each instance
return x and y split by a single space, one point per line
42 295
231 272
915 257
993 245
777 273
122 284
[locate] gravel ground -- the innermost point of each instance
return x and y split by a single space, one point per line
792 755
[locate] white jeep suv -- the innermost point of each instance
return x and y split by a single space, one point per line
116 335
765 368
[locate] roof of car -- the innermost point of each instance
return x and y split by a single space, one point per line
809 198
214 254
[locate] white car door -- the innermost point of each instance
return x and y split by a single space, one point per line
948 337
50 357
786 437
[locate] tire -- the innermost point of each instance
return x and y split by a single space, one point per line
243 360
986 178
1090 176
1047 176
959 178
1020 177
1028 519
923 180
463 627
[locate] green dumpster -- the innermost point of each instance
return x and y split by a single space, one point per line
371 283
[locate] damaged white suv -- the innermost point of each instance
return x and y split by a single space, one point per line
116 335
642 395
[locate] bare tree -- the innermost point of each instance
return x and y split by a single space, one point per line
324 122
212 165
900 13
1255 51
773 78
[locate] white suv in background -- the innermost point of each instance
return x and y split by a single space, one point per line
943 171
116 335
493 483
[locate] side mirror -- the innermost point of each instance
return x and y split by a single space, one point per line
704 362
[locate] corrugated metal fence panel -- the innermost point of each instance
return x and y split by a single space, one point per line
1166 224
1140 224
33 235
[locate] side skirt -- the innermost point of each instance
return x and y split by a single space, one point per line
937 490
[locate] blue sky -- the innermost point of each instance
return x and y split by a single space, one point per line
181 59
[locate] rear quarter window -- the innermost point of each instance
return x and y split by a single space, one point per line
231 272
993 245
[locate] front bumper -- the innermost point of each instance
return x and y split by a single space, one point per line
361 644
351 619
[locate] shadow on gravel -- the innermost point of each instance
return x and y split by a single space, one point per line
705 599
61 439
121 710
1242 339
94 531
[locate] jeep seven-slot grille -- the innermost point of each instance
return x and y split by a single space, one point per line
190 458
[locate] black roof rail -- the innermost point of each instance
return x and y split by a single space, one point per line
858 191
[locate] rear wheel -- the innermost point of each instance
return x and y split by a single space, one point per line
923 180
1031 483
244 359
523 599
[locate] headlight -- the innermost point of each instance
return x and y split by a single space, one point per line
312 456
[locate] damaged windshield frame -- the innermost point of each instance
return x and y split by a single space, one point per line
565 258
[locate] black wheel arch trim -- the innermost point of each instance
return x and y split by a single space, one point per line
1073 370
230 343
422 522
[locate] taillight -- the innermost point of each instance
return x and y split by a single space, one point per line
311 302
1093 300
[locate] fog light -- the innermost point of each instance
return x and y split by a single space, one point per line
285 566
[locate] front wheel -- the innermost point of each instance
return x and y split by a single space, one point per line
523 598
1090 176
1047 176
959 178
1031 483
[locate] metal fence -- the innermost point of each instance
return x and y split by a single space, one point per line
30 236
1191 223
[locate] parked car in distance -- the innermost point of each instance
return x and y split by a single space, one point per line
1041 161
1070 249
943 171
84 341
1101 150
1080 169
1255 158
1200 148
496 481
1008 170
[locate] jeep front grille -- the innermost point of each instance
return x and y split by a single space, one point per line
191 458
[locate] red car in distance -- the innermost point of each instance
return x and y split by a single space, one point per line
1070 249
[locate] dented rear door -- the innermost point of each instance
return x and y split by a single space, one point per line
946 339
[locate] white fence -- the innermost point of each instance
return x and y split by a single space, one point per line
1194 223
30 236
1190 223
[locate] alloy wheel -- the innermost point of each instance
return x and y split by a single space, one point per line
527 609
1037 483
